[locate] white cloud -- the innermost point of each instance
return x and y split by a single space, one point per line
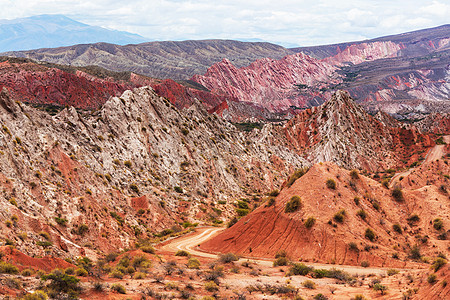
305 22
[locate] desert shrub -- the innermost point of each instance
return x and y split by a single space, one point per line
413 219
211 286
27 272
37 295
193 263
356 200
273 193
127 163
232 222
116 274
414 253
353 246
116 287
391 272
297 174
379 287
358 297
178 189
182 253
310 222
242 212
139 275
281 261
45 235
7 268
242 204
82 229
293 205
365 264
397 194
339 216
134 188
331 184
62 283
309 284
320 273
362 214
339 275
228 257
354 174
320 297
432 278
61 221
270 201
148 249
397 228
69 271
438 263
299 269
438 224
81 272
370 234
385 183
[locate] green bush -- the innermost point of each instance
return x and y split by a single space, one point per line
7 268
362 214
309 284
340 216
293 205
211 286
273 193
37 295
391 272
81 272
310 222
379 287
365 264
299 269
182 253
438 263
438 224
331 184
148 249
397 194
397 228
414 253
370 234
116 287
432 278
61 282
193 263
228 257
281 261
413 219
242 212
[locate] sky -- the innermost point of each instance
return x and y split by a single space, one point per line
286 22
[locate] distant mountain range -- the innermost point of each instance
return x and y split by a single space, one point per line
49 31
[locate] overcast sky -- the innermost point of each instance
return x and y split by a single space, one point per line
286 22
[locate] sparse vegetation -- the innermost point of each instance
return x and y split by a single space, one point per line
340 216
397 228
297 174
310 222
331 184
116 287
438 224
228 257
438 263
362 214
397 194
293 205
370 234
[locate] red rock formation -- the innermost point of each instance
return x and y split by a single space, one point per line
358 53
269 83
36 84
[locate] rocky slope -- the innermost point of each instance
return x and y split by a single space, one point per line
411 44
176 60
342 132
273 84
343 214
100 180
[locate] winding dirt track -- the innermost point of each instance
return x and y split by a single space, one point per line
191 241
434 154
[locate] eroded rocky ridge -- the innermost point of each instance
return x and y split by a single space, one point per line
100 180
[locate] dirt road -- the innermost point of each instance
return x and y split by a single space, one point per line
191 241
434 154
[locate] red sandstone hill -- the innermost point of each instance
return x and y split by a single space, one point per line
341 131
270 228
